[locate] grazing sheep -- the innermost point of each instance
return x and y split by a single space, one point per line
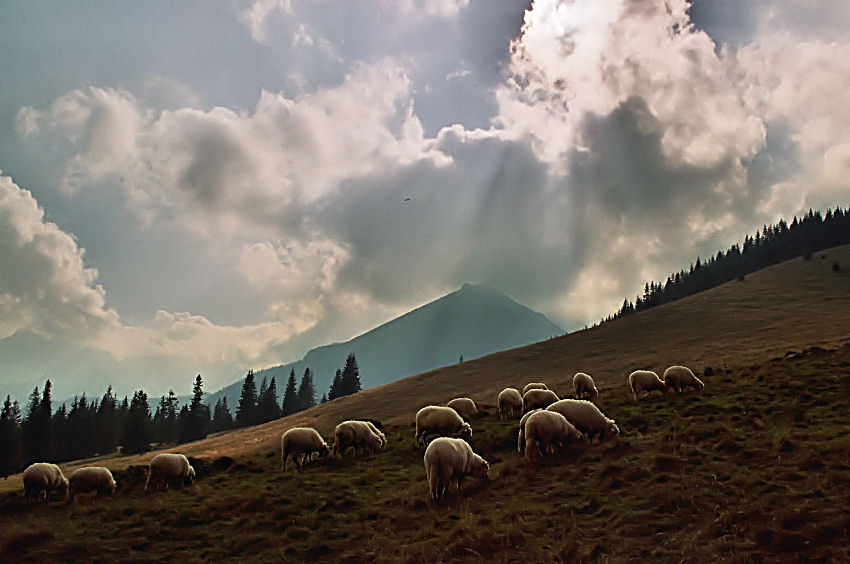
301 442
440 421
168 468
448 460
43 478
357 434
510 402
546 432
586 417
464 406
645 381
537 398
91 479
376 429
680 377
520 442
584 387
534 386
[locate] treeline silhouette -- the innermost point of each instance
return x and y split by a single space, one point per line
773 244
92 427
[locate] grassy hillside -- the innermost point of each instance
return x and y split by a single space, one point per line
757 465
754 468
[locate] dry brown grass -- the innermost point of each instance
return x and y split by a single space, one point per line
797 304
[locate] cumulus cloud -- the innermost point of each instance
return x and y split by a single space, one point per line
45 286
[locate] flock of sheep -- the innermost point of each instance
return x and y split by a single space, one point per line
547 426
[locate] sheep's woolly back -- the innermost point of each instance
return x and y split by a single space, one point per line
464 406
447 460
584 386
536 397
586 417
509 401
681 377
534 386
442 421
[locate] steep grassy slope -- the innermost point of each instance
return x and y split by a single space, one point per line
789 306
756 468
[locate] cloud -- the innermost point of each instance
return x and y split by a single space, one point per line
45 287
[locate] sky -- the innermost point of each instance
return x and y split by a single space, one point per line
207 187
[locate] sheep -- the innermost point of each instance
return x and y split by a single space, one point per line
586 417
546 432
584 387
645 381
441 421
448 460
534 386
535 398
376 429
303 442
680 377
520 443
465 407
510 401
168 468
43 478
91 479
357 434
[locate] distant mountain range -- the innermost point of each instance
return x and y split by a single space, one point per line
471 322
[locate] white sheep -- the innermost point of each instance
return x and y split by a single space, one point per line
168 468
357 435
375 430
536 397
680 377
546 432
534 386
520 442
301 442
441 421
645 381
43 478
91 479
510 402
448 460
584 386
586 417
464 406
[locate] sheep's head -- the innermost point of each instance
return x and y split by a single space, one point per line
325 450
611 429
465 432
481 469
700 384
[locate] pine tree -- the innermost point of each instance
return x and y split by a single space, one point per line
350 380
246 411
222 419
306 391
290 396
267 406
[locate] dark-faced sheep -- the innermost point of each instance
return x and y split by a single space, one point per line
91 479
440 421
464 406
641 381
534 386
358 435
680 377
301 443
547 432
587 418
448 460
43 478
167 469
510 403
584 387
533 399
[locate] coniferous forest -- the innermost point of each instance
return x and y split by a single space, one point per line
773 244
100 426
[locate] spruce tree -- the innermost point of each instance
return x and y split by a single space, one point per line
306 391
137 428
336 386
290 396
11 454
267 406
107 422
199 413
350 380
246 411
